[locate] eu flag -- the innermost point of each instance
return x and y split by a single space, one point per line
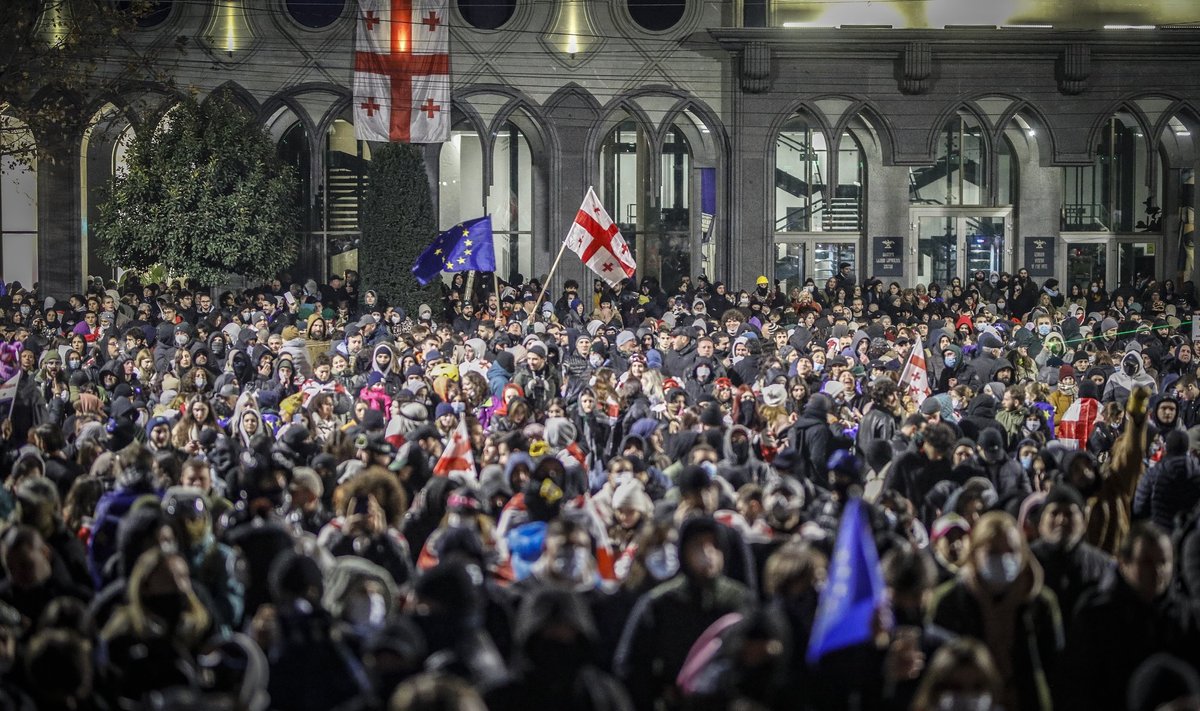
854 591
464 247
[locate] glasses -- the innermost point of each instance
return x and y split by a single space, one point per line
622 471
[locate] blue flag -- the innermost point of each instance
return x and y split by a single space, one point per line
464 247
854 591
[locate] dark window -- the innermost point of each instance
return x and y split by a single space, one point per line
486 14
656 15
149 14
315 14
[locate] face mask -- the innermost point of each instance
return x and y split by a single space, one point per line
595 360
818 367
1027 461
951 361
245 316
1129 367
201 383
1000 305
366 611
709 468
1095 289
960 405
1033 425
575 565
459 407
662 563
24 310
1044 329
1001 569
959 701
181 340
72 365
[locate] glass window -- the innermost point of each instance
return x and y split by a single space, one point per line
510 201
1111 194
801 157
1135 260
985 244
460 176
845 207
828 255
1086 262
293 150
18 203
789 265
486 14
959 177
346 160
660 236
656 15
315 14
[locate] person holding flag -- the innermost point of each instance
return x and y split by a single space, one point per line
914 379
464 247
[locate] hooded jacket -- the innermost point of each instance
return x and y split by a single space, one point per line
1121 383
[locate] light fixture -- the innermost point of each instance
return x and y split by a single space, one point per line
1130 27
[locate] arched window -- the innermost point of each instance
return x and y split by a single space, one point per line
960 176
315 14
656 15
510 201
1111 194
486 14
18 202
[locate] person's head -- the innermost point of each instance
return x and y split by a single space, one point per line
197 475
998 550
26 557
1146 560
1061 520
961 675
700 554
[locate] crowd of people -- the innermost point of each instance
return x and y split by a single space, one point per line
235 501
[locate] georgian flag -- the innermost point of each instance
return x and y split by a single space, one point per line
598 242
457 457
914 379
402 71
1077 423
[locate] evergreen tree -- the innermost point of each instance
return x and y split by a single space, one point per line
204 196
398 222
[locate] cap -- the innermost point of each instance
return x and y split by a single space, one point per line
990 340
443 409
946 524
762 279
1065 371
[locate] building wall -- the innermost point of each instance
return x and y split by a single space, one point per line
568 72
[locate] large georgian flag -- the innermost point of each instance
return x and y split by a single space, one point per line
402 71
598 242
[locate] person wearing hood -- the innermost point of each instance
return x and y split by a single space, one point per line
999 598
668 620
383 361
814 437
556 665
1130 374
500 373
1170 487
980 415
979 371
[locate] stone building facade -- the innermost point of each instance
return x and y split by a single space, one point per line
724 139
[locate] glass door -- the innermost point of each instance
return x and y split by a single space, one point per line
957 243
797 259
1136 261
937 249
1086 261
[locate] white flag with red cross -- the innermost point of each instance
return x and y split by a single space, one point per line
914 379
402 71
457 456
598 242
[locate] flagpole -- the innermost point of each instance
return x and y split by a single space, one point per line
546 285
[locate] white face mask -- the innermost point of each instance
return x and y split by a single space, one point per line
367 610
962 701
1000 569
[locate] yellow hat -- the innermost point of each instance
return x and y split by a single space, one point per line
763 280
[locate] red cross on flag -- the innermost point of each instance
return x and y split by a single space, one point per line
914 379
402 71
598 242
457 457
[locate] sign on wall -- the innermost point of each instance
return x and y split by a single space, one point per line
1039 256
887 255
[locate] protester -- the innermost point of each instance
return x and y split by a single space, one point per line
301 496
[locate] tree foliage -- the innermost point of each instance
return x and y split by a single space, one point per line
204 196
55 55
397 224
